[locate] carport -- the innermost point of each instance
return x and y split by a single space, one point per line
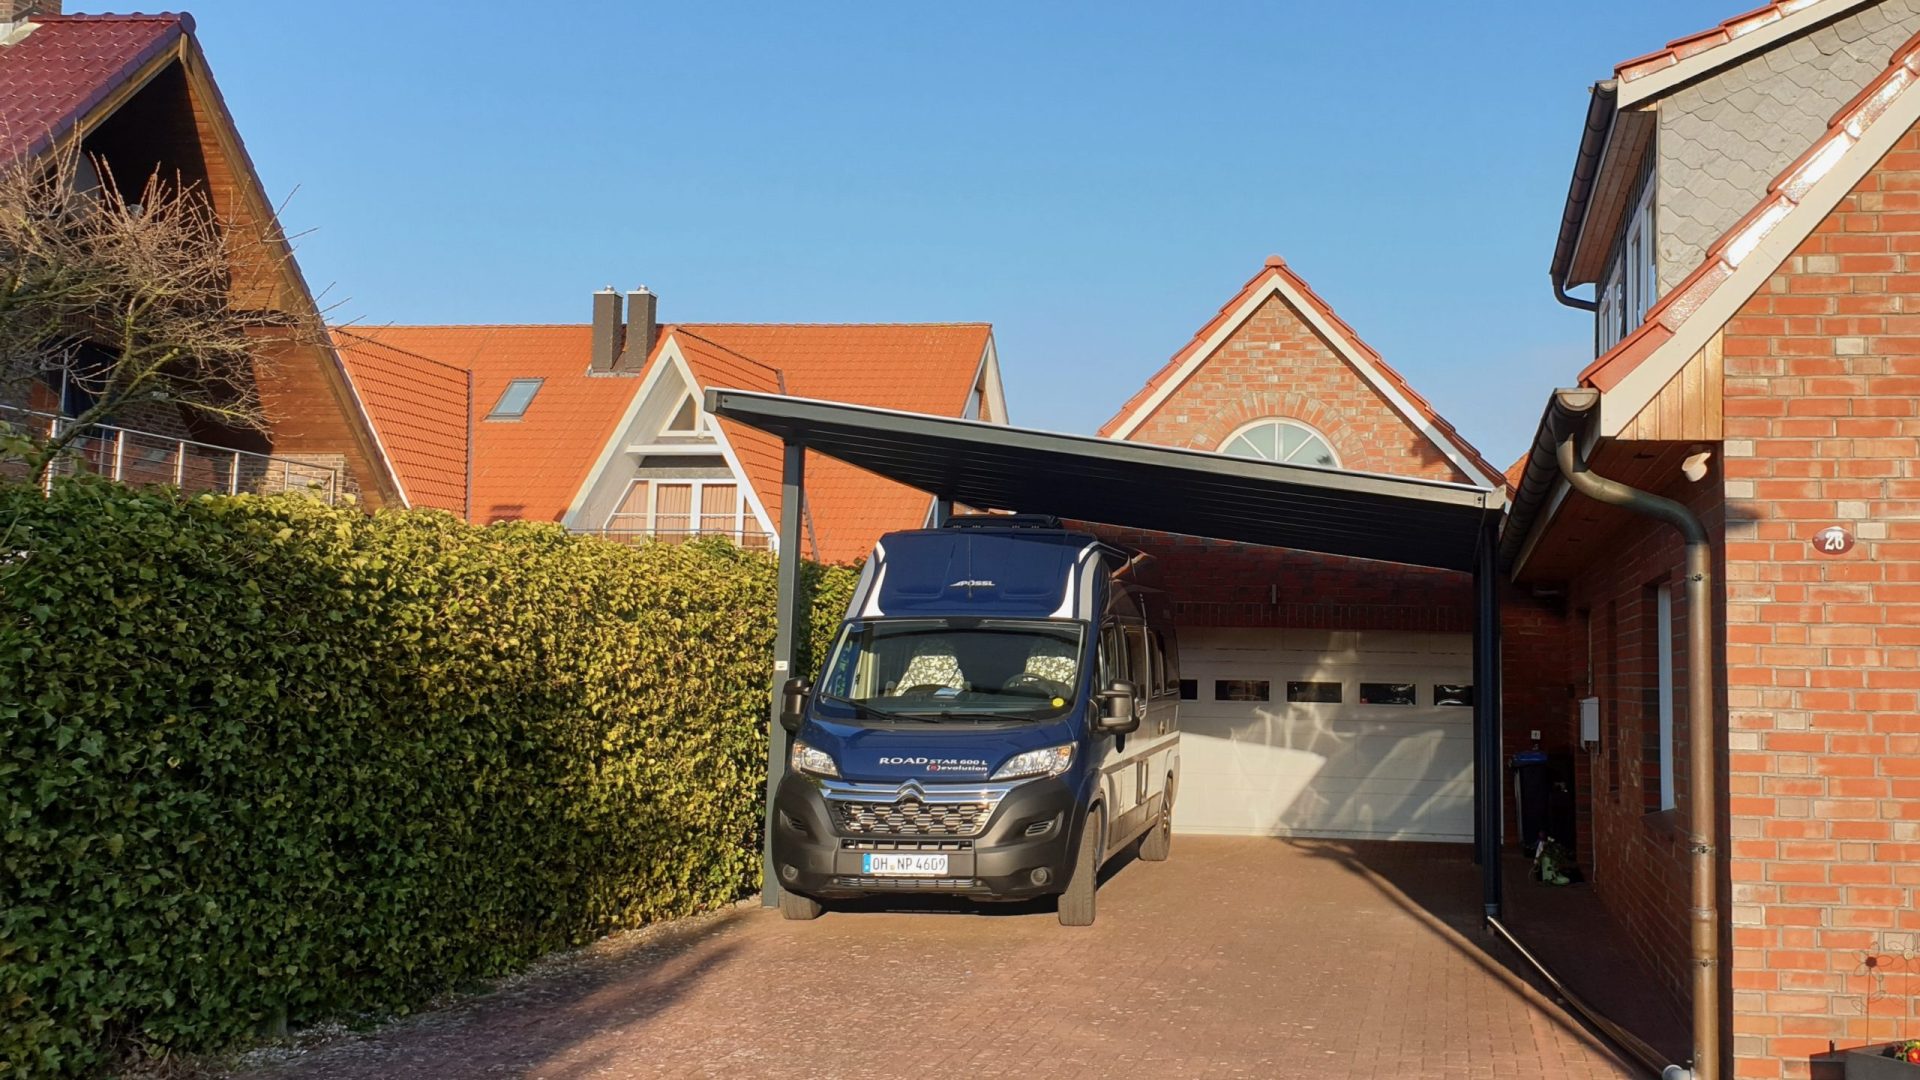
1162 489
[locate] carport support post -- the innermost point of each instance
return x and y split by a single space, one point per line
1486 719
787 621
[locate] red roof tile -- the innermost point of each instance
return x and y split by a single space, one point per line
914 367
1843 134
533 467
1277 269
67 65
1680 48
420 409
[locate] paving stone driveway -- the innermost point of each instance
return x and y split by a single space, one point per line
1238 957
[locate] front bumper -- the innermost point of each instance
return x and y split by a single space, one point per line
1032 828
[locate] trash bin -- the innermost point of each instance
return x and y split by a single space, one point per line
1532 785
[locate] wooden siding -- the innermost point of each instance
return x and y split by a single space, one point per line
1688 407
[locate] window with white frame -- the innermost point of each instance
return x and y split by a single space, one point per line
1632 283
1286 441
674 510
1663 653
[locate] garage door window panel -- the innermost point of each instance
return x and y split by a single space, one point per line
1240 690
1384 693
1314 693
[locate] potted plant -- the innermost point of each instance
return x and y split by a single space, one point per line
1890 1061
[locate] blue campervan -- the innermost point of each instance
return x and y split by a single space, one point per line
996 717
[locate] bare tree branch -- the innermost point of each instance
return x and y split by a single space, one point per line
132 301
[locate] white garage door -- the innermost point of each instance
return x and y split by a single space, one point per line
1324 733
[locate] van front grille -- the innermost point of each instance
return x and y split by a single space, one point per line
910 817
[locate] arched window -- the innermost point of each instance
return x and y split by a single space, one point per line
1281 440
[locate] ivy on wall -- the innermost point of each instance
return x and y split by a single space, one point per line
264 757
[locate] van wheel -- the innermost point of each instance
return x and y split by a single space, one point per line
1076 904
797 908
1158 843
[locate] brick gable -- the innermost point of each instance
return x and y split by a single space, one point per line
1276 365
1823 652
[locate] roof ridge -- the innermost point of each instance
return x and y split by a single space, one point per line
1844 133
1724 32
132 16
352 333
680 328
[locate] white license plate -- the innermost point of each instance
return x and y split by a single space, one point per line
903 865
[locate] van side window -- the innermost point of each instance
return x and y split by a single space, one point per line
1112 656
1139 666
1165 679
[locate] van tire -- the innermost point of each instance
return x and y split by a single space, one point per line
1158 843
1076 904
797 908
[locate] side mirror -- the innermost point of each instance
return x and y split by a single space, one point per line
1119 709
793 704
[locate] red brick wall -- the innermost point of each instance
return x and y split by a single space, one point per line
1539 646
1274 365
1635 853
1823 654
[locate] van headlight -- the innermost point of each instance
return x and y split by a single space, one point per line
1049 762
805 759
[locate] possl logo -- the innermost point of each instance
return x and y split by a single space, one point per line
971 583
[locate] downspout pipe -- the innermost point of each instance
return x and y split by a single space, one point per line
1702 794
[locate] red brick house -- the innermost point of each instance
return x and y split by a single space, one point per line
136 94
1324 696
1747 204
599 426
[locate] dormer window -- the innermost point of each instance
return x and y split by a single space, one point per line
1632 283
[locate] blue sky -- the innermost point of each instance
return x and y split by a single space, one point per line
1095 180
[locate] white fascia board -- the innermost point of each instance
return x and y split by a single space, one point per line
1383 387
1657 84
623 431
987 376
740 477
1193 362
1277 283
670 356
1637 388
674 448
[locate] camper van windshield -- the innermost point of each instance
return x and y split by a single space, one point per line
919 667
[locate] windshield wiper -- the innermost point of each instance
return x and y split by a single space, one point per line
873 710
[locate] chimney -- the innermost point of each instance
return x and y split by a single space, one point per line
643 325
14 11
607 331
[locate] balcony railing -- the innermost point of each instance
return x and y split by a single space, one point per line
141 457
751 539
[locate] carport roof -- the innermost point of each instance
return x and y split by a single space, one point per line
1134 485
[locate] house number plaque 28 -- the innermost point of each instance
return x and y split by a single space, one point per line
1833 540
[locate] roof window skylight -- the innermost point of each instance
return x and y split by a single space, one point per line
515 399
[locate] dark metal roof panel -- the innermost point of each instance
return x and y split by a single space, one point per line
1135 485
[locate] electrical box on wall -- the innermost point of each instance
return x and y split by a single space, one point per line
1589 721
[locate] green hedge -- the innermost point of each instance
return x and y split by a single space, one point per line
265 758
